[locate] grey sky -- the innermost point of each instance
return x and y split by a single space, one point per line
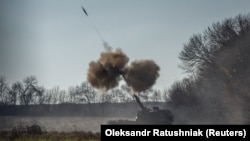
55 41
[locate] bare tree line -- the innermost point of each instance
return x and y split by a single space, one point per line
28 92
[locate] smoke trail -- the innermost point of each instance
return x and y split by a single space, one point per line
93 25
97 31
107 47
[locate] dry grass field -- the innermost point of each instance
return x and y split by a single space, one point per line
53 128
50 136
57 124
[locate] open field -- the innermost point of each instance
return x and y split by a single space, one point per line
54 128
57 124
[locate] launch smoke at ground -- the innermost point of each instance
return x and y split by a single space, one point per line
107 71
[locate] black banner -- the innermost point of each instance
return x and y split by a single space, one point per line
164 132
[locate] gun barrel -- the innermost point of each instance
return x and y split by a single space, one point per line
139 102
135 96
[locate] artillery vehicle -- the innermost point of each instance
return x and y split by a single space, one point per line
149 116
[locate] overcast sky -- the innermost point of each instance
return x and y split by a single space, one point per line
55 41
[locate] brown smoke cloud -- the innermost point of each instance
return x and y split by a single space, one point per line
141 75
106 72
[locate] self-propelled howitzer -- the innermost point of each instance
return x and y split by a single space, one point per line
150 116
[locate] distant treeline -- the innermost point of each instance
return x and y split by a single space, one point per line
128 109
29 92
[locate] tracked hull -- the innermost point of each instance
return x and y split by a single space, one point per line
147 117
